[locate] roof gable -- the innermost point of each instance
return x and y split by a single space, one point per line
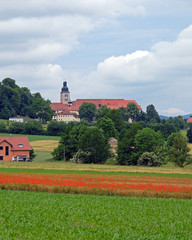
17 143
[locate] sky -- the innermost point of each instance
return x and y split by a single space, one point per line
133 49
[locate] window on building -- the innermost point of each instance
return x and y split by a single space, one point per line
20 145
1 148
1 158
6 151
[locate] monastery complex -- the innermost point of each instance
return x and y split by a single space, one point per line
67 110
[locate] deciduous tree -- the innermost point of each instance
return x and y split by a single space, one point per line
126 146
178 151
93 145
87 111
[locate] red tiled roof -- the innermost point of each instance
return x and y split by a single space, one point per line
189 120
110 103
58 106
65 112
15 141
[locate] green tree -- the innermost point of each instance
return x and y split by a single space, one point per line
93 145
26 101
133 111
32 154
178 151
126 146
152 114
87 111
10 99
17 128
41 109
165 128
102 112
34 127
180 123
108 127
147 140
116 117
55 128
68 145
189 134
3 128
19 101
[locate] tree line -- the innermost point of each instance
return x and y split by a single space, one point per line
19 101
145 140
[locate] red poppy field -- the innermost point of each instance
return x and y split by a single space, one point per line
99 184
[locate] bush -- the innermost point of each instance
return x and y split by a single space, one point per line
149 159
3 127
17 128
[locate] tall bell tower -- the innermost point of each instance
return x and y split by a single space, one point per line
65 94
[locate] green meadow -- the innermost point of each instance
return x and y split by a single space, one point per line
34 137
28 215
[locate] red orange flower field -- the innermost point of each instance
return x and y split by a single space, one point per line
122 185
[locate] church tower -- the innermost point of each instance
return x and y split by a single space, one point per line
65 94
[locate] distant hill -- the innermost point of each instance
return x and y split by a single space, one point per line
163 117
184 116
187 116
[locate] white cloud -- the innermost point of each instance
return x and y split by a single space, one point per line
41 31
172 112
161 76
45 79
40 40
34 34
95 8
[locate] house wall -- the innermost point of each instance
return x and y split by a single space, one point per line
65 118
11 153
16 119
2 152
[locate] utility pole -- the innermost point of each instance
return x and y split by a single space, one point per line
64 152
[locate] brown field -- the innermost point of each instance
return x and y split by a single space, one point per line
190 146
44 145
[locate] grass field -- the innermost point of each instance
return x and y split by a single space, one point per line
34 137
27 215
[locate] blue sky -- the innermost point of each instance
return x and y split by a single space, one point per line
131 49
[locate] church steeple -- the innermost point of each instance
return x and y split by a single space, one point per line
65 94
64 88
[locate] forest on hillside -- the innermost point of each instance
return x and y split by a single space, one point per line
19 101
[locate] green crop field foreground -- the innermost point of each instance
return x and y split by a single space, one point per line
27 215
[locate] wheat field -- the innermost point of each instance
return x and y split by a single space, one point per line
44 145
